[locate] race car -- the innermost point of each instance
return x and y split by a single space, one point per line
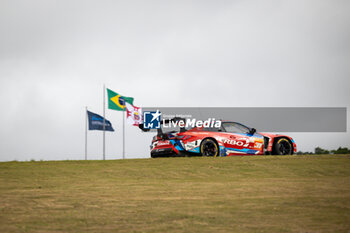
231 138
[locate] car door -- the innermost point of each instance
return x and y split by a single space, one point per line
239 141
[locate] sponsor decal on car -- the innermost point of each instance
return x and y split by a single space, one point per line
192 145
258 145
236 142
165 143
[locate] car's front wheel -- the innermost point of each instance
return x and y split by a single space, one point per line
283 147
209 148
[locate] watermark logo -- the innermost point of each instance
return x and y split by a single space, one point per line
151 120
191 123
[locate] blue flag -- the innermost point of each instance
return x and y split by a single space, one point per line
96 122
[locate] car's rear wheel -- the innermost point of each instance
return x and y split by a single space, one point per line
283 147
209 148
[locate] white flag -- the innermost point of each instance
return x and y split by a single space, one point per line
133 114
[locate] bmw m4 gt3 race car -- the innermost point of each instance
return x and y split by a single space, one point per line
231 138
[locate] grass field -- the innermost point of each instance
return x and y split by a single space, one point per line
237 194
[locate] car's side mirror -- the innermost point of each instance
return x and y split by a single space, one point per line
252 131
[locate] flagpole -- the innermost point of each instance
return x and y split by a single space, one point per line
123 135
86 122
104 122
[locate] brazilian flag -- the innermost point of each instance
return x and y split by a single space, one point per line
117 102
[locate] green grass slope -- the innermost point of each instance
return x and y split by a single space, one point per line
236 194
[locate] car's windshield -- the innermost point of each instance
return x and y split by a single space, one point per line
233 127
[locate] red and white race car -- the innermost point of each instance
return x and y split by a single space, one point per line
231 138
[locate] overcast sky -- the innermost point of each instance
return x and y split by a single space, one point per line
55 57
